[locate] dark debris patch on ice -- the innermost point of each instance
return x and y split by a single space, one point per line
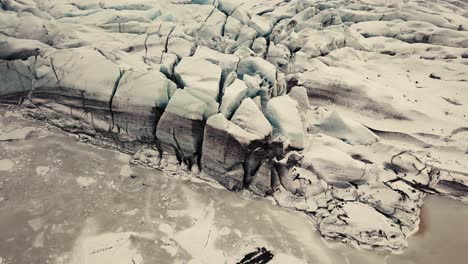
259 256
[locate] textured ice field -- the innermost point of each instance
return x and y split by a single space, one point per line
349 111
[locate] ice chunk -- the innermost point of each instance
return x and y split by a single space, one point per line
261 25
232 97
259 46
211 105
283 114
261 181
138 103
299 94
232 28
168 62
181 127
255 65
249 117
279 55
253 84
220 122
199 74
180 46
227 62
229 6
225 164
11 48
242 15
186 105
150 88
246 37
210 33
83 69
15 79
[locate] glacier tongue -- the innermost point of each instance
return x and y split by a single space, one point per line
350 112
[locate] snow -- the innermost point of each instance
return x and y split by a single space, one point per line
284 116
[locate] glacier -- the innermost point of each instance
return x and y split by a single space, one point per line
339 109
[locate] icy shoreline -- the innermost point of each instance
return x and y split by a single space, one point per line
338 197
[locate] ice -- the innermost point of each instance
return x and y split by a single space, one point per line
347 129
249 117
255 65
199 74
225 164
150 88
232 97
81 69
12 48
253 84
299 94
211 105
186 105
259 46
360 222
229 6
221 123
227 62
284 116
232 28
15 78
334 166
245 37
261 25
180 129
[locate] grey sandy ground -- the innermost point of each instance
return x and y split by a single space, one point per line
62 201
